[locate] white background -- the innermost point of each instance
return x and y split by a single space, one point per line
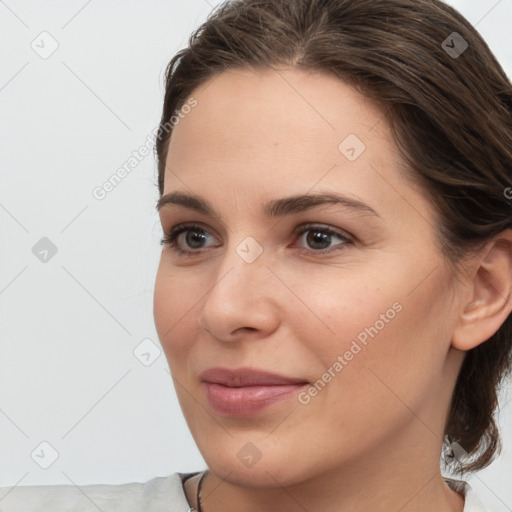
68 327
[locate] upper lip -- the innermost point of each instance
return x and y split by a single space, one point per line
239 377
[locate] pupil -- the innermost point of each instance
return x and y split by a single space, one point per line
318 237
194 236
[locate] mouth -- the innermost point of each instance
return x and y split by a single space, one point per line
245 391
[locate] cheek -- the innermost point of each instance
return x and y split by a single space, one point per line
374 325
403 359
338 307
173 311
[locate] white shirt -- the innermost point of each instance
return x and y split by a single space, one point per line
160 494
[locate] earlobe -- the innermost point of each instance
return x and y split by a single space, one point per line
491 295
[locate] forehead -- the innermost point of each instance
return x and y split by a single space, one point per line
244 107
280 131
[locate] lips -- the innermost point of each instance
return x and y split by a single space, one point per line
246 391
246 377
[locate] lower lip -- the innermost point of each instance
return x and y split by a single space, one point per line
247 400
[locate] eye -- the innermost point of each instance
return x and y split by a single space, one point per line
194 236
320 237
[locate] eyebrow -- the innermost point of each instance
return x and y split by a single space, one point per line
274 208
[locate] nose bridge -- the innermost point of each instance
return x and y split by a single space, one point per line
243 268
239 296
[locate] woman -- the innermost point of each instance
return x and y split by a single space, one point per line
328 372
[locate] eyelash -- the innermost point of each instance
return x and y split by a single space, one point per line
170 238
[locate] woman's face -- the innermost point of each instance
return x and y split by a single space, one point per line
347 302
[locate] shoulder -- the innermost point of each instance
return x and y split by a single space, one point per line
163 493
472 503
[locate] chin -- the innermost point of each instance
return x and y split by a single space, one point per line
262 475
269 468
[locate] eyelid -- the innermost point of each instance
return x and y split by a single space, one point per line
309 226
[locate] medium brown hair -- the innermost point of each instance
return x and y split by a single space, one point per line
450 115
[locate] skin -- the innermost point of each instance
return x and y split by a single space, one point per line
371 438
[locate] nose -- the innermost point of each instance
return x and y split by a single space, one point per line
242 299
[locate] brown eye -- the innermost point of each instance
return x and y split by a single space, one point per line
320 238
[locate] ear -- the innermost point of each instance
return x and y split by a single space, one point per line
490 295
